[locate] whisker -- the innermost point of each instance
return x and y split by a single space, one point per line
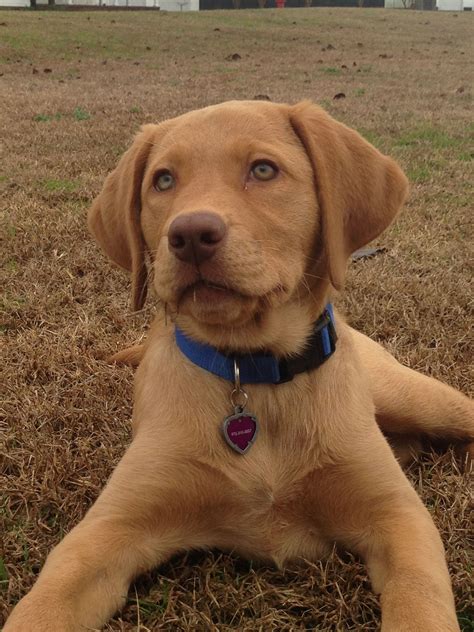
314 276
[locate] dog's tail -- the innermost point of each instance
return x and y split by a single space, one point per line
132 356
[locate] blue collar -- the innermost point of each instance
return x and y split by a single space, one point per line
264 368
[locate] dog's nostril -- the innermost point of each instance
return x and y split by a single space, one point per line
210 238
177 241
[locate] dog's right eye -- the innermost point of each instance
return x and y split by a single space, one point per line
163 181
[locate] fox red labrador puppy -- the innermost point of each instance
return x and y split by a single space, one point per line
258 412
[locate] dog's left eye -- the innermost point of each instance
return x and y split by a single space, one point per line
264 170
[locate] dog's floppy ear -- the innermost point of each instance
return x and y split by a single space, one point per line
114 217
359 190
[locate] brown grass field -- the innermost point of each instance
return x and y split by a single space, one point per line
74 87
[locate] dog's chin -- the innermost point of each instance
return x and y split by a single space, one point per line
216 305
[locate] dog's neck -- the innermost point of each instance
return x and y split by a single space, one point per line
283 331
264 368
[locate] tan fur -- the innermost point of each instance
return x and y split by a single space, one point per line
320 471
131 356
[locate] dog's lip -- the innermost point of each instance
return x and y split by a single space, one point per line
211 285
228 289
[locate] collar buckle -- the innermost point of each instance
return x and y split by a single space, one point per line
320 346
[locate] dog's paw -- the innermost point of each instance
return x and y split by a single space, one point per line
34 614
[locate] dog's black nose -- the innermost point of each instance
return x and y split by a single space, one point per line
195 237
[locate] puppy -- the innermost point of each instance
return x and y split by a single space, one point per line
258 411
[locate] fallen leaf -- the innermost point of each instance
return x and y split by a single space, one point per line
339 95
367 253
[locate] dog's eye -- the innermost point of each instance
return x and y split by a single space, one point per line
263 170
163 181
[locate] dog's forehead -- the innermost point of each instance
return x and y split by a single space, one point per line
233 120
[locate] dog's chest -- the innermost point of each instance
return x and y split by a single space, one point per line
271 488
262 502
276 512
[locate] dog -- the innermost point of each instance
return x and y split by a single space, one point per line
258 412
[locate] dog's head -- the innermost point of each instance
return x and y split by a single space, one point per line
245 209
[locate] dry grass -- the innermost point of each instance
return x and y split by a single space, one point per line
405 77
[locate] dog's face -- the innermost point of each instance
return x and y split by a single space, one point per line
228 212
244 207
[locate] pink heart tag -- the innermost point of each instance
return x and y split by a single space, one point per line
240 431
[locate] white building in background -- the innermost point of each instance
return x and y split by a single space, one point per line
397 4
164 5
441 5
454 5
14 3
193 5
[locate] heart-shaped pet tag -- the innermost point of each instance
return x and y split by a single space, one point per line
240 431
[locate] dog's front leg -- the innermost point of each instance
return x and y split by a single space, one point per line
152 507
368 505
407 567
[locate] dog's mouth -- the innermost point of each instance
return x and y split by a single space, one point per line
206 291
211 295
220 302
214 303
